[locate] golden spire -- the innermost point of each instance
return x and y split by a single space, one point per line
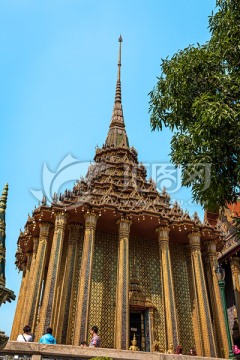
117 136
118 97
119 57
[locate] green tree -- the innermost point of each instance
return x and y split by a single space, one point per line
198 97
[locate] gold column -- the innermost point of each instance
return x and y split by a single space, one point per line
35 249
168 288
19 318
122 295
37 269
235 270
30 281
34 285
18 312
84 289
61 327
22 299
215 298
194 304
74 290
151 329
50 290
207 337
27 287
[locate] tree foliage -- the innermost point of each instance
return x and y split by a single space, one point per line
198 97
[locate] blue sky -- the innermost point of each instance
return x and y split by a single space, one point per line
58 69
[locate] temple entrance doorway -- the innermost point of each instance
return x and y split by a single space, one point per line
139 326
141 319
135 328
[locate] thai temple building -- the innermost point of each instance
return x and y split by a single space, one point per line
115 253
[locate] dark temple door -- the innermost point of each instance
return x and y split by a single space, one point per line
135 327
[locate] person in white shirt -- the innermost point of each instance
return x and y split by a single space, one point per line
26 335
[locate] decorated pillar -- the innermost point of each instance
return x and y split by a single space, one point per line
23 304
16 327
62 323
35 249
74 290
205 321
168 289
51 285
37 274
151 328
235 270
216 302
122 295
27 286
31 266
194 303
84 289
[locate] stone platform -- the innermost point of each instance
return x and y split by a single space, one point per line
36 351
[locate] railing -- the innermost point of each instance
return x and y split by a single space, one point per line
13 357
35 351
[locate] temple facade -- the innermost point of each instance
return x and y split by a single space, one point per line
115 253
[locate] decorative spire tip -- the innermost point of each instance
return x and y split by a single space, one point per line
119 57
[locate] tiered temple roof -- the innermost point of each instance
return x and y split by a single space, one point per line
116 186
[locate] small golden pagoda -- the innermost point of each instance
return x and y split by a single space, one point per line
113 252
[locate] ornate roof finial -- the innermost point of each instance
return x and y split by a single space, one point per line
119 57
118 97
117 136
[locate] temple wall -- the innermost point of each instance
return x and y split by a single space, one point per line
147 267
147 259
182 296
72 290
103 289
